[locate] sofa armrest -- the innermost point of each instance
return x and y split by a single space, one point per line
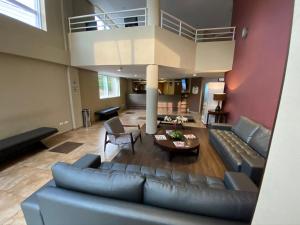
239 182
31 209
88 161
220 126
253 167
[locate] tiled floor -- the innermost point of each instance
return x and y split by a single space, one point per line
24 176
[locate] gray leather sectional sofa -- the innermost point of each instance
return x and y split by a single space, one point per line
95 193
243 147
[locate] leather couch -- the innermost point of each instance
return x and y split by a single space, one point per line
243 147
95 193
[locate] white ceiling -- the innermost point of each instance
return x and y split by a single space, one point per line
139 72
198 13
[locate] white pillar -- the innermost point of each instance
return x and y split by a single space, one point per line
153 7
151 98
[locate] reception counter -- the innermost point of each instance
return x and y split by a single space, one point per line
167 102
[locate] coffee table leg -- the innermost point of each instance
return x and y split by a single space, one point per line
197 152
170 156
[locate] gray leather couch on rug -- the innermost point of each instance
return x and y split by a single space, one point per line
89 192
243 147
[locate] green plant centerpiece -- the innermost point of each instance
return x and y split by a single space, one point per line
176 135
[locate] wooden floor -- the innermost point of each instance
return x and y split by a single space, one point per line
146 153
23 176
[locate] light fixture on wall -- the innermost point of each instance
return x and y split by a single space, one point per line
245 32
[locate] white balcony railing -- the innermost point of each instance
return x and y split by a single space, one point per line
108 20
215 34
173 24
138 17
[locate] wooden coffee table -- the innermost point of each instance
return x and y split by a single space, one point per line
191 146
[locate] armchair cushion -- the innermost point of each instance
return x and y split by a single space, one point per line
126 138
114 125
245 129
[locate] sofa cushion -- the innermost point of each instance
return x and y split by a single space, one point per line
173 175
112 184
245 128
232 148
260 141
236 205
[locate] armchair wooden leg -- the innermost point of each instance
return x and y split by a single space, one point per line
140 133
105 141
132 143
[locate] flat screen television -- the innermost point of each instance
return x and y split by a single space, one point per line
183 85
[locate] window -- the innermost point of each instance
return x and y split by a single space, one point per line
100 24
109 87
31 12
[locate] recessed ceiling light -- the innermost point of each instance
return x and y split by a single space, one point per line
194 75
120 69
135 75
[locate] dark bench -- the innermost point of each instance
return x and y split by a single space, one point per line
22 142
107 113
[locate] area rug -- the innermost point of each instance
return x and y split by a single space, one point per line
129 112
66 147
148 154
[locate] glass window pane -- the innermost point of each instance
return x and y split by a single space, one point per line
27 11
109 87
29 3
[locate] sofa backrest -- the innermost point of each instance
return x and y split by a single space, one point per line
245 128
221 203
260 141
154 191
111 184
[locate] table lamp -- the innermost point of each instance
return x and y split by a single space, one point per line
220 97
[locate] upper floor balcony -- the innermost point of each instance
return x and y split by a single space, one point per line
124 38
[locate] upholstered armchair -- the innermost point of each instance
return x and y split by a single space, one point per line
117 135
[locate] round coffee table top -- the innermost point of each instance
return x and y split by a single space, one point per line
168 145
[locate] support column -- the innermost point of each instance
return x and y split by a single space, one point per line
153 7
151 98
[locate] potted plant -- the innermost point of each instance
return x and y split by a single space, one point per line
176 135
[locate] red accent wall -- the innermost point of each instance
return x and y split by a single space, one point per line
253 86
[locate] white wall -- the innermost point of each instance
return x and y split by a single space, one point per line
34 79
173 50
149 45
24 40
279 199
126 46
33 94
214 56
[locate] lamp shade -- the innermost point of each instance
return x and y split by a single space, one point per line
219 96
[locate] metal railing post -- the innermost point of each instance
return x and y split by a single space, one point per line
180 24
146 17
233 35
161 18
70 30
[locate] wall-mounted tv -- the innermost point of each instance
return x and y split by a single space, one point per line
183 85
